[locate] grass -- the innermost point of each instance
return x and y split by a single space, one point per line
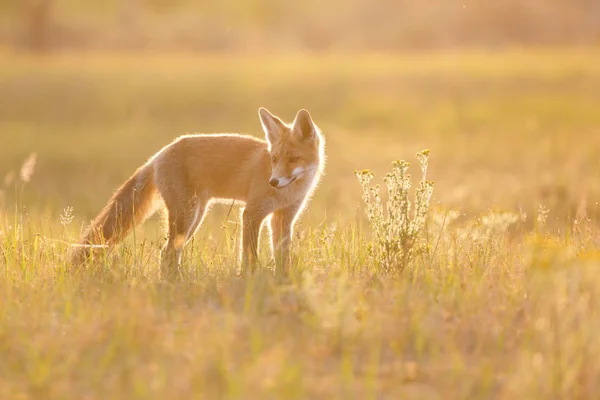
502 303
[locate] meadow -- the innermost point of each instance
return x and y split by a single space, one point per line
500 304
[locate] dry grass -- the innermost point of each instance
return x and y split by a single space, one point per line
502 303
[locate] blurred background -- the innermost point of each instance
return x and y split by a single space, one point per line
504 93
283 26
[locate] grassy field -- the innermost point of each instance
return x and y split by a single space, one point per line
502 303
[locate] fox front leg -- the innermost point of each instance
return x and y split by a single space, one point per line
251 223
282 227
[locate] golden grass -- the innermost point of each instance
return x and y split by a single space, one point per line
502 304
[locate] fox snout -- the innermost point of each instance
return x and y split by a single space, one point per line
280 183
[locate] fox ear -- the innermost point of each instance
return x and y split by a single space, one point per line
272 125
304 125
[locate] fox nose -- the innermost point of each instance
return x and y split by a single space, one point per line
274 182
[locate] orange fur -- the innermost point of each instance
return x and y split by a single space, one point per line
273 177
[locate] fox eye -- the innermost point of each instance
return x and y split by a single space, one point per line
294 159
274 159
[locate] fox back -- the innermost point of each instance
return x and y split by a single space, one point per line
274 177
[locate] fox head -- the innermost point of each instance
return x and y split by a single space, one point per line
296 150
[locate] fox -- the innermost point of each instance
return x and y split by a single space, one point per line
273 177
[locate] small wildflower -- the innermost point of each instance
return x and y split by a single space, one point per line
499 222
542 215
491 226
397 235
328 234
67 216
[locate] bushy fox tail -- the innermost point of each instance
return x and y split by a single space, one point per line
130 205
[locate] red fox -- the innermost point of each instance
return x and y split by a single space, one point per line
276 177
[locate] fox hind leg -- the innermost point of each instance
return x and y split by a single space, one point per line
183 221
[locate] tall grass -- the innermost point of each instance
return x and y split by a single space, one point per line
501 302
483 314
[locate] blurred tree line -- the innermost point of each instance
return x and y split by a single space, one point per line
280 25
